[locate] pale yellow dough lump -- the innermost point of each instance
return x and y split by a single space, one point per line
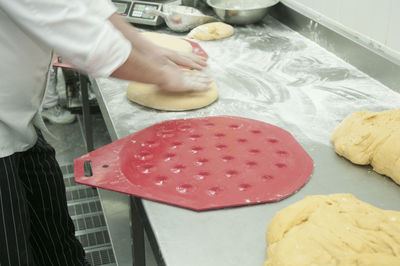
367 137
151 95
168 41
336 229
211 31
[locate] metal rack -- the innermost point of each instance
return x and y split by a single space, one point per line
87 215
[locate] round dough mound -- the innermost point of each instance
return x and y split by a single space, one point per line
367 137
152 96
211 31
168 41
335 229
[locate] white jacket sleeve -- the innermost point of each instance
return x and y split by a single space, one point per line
85 39
103 8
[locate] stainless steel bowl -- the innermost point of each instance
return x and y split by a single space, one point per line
241 12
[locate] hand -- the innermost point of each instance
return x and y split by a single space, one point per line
150 63
178 80
185 59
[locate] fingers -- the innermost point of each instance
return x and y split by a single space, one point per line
200 60
188 62
196 81
188 59
177 80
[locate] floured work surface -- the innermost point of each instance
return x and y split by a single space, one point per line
273 74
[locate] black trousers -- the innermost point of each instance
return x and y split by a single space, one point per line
35 227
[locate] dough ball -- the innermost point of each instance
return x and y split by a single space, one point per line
168 41
335 229
152 96
366 137
211 31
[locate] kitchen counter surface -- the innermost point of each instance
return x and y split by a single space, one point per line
273 74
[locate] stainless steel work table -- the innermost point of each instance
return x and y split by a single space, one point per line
270 73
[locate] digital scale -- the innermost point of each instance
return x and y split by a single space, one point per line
134 11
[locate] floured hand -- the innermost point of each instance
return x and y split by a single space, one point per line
186 59
177 80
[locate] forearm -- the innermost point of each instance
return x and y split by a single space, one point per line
166 75
156 52
137 67
150 63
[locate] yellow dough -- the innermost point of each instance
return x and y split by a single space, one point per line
211 31
366 137
168 41
151 95
335 229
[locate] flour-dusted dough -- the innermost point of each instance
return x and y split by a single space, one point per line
367 137
211 31
335 229
168 41
152 96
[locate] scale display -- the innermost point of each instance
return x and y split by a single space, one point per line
138 10
134 11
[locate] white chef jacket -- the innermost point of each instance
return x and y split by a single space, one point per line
29 32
